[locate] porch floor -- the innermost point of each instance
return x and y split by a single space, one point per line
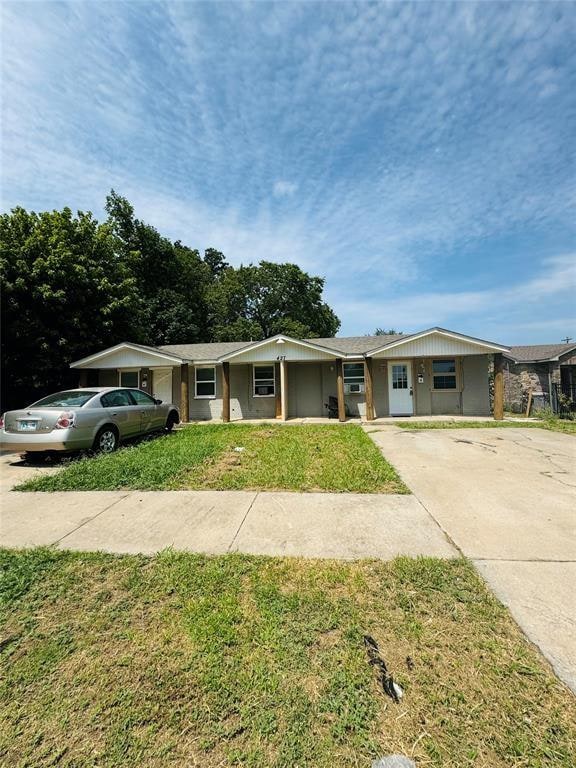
361 420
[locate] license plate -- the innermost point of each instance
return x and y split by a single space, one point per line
28 426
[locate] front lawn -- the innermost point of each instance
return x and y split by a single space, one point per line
234 457
187 660
554 425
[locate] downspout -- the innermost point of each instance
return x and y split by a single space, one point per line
550 388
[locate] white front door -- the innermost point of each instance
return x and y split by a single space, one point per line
162 384
400 388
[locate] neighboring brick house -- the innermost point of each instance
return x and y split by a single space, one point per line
546 369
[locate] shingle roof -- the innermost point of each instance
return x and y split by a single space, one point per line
212 351
207 351
351 345
538 352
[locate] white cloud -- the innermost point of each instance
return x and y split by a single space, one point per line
284 188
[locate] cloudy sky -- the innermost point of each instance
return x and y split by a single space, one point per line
420 157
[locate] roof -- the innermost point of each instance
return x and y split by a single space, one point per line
536 353
352 345
207 351
341 346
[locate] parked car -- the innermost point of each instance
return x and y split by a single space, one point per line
98 418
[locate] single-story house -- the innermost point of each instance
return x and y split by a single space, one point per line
435 371
546 370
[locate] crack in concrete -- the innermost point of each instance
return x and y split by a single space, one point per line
243 521
87 520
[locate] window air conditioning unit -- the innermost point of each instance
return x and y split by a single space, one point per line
353 389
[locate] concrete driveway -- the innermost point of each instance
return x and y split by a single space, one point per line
506 498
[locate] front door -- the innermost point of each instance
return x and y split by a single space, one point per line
400 388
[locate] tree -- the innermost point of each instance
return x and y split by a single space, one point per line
65 295
254 302
171 278
389 332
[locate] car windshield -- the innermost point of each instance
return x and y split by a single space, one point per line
65 399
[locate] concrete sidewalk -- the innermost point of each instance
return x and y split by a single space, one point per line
333 525
507 499
346 526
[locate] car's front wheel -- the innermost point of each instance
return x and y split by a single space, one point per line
106 441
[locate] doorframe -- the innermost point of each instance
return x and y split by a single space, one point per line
409 363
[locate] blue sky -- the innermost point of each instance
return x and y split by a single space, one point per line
420 157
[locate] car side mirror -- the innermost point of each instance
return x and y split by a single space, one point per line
157 402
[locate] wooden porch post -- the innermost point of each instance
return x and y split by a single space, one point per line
498 387
225 392
83 378
184 394
340 390
369 389
283 390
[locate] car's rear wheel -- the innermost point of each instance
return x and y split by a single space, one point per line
106 441
171 421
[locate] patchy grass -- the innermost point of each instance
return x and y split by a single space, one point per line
188 660
554 425
294 458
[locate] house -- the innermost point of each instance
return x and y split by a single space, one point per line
546 370
435 371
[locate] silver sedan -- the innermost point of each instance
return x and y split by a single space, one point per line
98 418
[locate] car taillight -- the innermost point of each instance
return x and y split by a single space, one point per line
2 421
65 420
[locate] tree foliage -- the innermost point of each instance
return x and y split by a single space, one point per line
72 286
389 332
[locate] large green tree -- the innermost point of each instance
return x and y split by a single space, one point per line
172 279
72 286
257 301
65 294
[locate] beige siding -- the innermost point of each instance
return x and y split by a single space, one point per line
271 351
434 345
475 386
380 388
131 358
422 392
305 390
446 403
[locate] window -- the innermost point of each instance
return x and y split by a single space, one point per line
116 399
206 382
65 399
142 398
400 376
264 381
129 379
444 374
353 377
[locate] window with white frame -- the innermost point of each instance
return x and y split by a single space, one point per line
205 384
444 374
264 381
353 377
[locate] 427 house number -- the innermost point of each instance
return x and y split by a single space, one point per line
281 357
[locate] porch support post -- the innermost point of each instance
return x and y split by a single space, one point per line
225 392
83 378
278 397
184 394
498 387
283 390
340 389
369 389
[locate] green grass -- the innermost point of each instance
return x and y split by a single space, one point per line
554 425
187 660
295 458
